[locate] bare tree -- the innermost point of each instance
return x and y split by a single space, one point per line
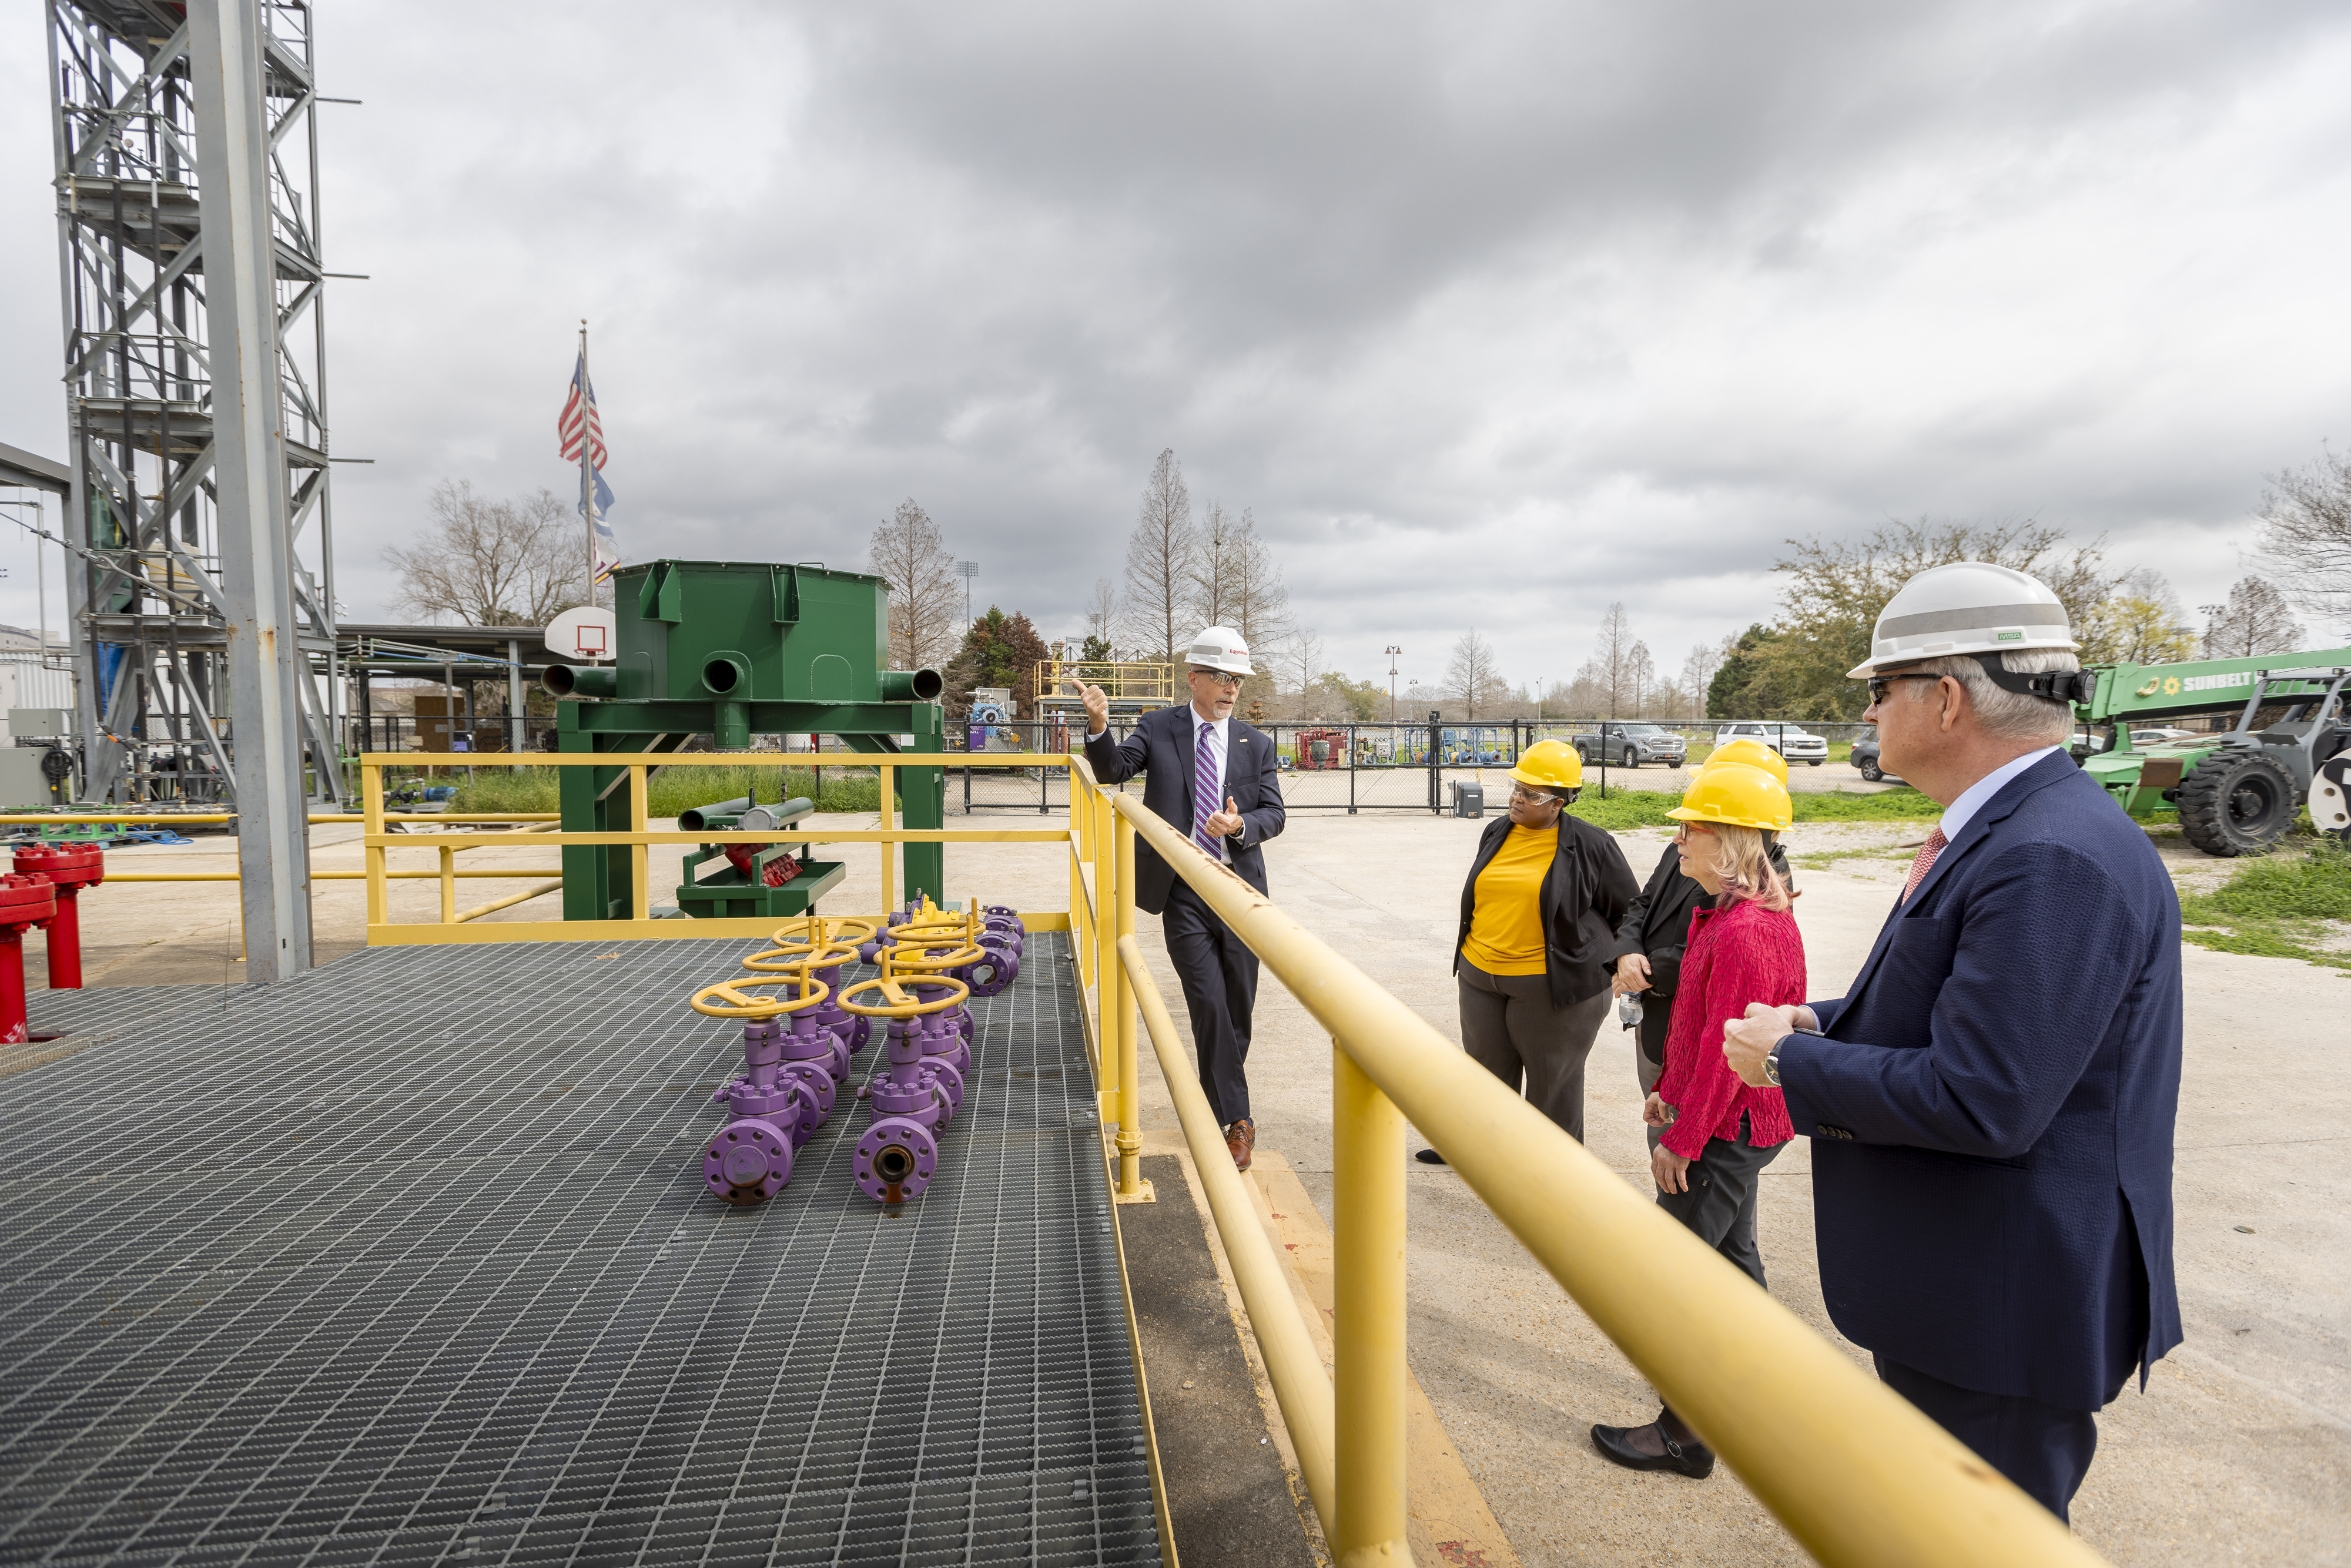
1209 574
1101 612
493 563
1255 597
1302 658
908 554
1698 674
2256 621
1640 679
2306 534
1612 658
1159 556
1474 678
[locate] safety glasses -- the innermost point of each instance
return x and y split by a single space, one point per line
1881 685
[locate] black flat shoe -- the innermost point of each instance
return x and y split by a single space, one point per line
1695 1460
1430 1157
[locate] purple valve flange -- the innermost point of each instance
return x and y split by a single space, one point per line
919 1092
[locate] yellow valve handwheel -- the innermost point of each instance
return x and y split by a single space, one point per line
920 958
789 957
900 1004
835 929
735 1000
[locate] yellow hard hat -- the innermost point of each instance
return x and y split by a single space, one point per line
1736 796
1749 752
1551 763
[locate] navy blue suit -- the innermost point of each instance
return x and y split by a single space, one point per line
1992 1114
1217 971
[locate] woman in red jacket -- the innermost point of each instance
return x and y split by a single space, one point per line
1720 1132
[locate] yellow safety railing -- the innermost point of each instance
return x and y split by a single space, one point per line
1856 1473
639 837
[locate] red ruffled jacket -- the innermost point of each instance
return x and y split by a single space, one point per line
1735 955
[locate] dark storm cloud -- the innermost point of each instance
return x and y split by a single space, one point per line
1492 314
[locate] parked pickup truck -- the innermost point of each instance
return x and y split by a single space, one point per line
1792 744
1631 745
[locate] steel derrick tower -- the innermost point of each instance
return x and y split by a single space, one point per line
153 597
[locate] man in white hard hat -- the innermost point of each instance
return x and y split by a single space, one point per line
1217 779
1991 1102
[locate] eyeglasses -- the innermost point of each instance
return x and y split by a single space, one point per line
1682 835
1221 679
1520 792
1880 686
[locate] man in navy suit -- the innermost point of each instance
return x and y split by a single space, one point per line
1992 1103
1219 781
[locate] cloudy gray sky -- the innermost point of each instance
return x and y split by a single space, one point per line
1492 313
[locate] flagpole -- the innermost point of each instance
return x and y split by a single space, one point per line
587 464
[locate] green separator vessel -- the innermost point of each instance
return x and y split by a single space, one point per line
730 650
2238 790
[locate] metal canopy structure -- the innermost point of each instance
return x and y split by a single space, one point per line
152 591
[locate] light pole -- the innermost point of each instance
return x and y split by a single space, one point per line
967 569
1393 650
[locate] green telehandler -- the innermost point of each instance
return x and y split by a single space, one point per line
2237 790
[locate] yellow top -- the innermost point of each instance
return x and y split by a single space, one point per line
1506 925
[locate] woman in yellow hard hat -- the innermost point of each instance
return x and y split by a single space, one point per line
1538 914
1718 1133
1655 931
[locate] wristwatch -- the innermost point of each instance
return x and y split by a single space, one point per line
1772 1059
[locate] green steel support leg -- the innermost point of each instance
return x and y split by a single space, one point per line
923 792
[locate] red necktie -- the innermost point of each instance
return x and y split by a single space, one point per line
1922 865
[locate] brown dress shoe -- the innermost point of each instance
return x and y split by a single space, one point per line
1241 1138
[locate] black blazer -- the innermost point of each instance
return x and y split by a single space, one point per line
1584 895
1656 925
1160 748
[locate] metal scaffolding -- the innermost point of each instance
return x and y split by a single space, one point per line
163 578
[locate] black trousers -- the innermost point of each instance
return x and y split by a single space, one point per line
1720 1203
2043 1449
1219 979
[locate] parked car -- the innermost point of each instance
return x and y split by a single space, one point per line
1792 744
1631 745
1865 756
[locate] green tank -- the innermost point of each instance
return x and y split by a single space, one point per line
729 650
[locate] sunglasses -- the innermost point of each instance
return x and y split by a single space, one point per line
1221 679
1881 686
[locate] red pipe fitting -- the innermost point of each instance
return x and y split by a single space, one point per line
70 868
25 901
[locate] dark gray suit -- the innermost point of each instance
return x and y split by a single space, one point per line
1218 972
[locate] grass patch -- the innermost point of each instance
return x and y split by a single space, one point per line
2275 907
533 789
1647 808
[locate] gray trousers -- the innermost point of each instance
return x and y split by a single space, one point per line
1649 1074
1510 1028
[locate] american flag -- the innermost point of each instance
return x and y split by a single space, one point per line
579 420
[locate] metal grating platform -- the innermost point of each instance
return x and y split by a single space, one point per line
409 1260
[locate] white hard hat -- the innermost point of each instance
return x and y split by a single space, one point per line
1968 607
1219 648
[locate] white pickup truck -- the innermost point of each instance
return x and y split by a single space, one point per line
1792 744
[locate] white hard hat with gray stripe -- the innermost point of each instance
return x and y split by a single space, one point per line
1219 648
1968 607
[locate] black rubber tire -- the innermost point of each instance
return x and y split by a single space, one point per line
1815 761
1631 758
1872 772
2236 803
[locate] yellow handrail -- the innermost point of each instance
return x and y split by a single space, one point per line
1856 1474
638 839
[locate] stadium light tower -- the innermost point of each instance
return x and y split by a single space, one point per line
967 569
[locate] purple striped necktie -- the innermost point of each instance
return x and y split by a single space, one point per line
1204 793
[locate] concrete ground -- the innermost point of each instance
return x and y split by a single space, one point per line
2240 1445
